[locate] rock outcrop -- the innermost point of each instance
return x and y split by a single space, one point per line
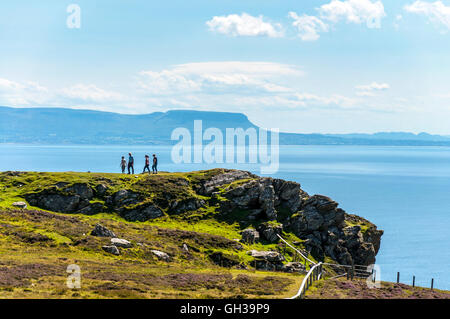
266 206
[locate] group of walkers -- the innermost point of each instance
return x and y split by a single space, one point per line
130 164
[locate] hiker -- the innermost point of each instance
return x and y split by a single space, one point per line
147 164
123 164
130 163
155 164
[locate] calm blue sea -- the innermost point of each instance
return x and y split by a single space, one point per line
404 190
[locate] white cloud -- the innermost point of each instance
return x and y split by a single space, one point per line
374 86
350 11
244 25
308 26
437 12
369 90
22 93
353 11
90 94
218 77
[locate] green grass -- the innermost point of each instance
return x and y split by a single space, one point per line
36 245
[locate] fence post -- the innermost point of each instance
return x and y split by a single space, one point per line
398 277
353 271
432 283
414 281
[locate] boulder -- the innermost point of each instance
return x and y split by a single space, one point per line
119 242
21 205
101 190
161 255
81 189
143 213
269 231
54 202
271 256
102 231
294 267
250 236
189 204
111 249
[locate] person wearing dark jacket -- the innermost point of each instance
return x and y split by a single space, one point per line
155 164
130 163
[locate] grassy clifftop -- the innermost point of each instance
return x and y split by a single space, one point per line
206 234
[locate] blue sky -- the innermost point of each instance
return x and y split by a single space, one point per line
328 66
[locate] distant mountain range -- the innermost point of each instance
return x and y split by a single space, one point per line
70 126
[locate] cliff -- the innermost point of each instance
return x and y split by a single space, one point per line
258 208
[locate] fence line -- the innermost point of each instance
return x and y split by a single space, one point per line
298 251
314 274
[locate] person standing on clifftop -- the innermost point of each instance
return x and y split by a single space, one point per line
130 163
147 164
123 164
155 164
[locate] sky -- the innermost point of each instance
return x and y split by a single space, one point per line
319 66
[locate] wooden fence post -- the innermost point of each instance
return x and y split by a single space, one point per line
432 283
414 281
398 277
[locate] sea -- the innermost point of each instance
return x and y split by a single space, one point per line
404 190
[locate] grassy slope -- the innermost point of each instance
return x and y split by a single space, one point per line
36 246
357 289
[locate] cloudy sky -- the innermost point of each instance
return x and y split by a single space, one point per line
328 66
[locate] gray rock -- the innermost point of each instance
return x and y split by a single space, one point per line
119 242
161 255
102 231
111 249
143 213
250 236
219 180
190 204
21 205
101 190
55 202
271 256
294 267
81 189
267 201
269 231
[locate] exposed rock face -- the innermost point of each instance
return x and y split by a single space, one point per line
102 231
269 231
269 205
211 185
111 249
323 226
250 236
143 213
